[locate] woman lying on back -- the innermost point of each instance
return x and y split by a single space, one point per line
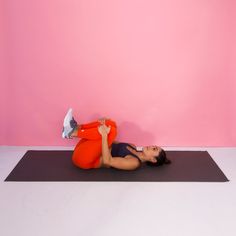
97 147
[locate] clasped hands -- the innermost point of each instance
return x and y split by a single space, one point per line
103 129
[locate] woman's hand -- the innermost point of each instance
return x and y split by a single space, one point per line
103 119
103 129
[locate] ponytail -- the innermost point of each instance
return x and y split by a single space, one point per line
161 159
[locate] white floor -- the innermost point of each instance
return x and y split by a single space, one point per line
117 208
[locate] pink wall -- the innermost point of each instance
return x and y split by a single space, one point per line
3 78
164 70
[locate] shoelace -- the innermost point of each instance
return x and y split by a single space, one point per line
73 123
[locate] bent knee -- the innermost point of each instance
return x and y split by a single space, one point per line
111 122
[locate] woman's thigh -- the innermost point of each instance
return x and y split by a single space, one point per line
87 153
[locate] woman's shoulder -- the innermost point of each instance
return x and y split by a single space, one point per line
131 144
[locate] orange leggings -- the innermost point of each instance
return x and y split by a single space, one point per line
88 150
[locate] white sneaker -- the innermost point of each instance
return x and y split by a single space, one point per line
69 125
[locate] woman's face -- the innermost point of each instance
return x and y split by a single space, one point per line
151 152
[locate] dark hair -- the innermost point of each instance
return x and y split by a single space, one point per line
161 159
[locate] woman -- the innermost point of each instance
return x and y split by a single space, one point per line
98 148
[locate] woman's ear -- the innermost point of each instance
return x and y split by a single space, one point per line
154 160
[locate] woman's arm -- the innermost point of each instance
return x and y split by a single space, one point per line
116 162
132 145
124 163
106 155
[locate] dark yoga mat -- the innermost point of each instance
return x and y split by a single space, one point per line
56 165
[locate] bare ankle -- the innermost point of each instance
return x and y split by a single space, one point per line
75 132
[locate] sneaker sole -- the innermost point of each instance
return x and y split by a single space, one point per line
66 123
67 118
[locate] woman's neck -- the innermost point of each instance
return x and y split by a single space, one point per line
141 156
